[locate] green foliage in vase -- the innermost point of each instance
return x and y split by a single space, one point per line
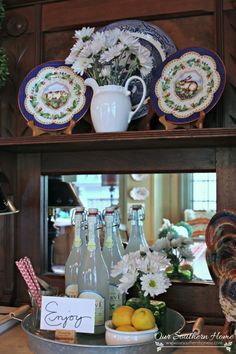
3 68
2 13
4 73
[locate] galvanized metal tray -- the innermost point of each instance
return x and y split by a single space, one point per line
44 343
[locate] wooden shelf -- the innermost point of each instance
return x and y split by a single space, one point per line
180 138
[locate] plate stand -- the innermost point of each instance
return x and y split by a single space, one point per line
197 123
38 131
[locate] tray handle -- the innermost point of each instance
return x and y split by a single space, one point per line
197 327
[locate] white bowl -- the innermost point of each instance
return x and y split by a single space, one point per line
114 337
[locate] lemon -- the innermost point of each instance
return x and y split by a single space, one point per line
126 328
143 319
122 316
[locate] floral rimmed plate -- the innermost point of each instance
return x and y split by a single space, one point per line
188 82
51 95
157 42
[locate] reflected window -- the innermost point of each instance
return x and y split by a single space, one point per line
97 191
203 188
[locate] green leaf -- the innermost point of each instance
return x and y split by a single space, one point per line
4 73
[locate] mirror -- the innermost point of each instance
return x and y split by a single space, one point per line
190 197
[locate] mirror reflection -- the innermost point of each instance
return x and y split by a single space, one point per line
187 197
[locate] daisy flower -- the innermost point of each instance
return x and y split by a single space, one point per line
175 242
186 253
77 47
120 49
122 267
85 33
111 53
141 268
145 60
162 244
82 64
112 37
154 284
105 71
127 281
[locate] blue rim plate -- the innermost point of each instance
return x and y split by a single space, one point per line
51 95
188 82
157 42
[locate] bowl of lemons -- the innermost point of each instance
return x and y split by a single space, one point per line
129 326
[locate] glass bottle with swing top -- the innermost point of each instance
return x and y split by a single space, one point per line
74 260
136 238
94 276
116 229
111 256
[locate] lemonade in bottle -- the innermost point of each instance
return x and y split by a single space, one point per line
74 260
94 277
111 254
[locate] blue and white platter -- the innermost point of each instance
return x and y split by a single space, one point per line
52 95
157 42
188 82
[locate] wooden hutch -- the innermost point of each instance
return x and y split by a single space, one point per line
38 31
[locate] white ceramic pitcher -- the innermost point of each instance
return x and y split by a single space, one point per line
111 109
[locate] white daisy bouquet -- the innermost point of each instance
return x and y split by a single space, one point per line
144 269
174 242
109 57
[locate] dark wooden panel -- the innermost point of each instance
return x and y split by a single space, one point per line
226 181
184 34
19 21
57 44
168 160
7 271
20 42
229 4
230 62
19 3
171 139
195 298
83 12
28 235
7 229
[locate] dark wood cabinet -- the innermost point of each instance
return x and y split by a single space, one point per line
37 31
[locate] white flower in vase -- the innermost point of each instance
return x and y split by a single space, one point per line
144 269
114 57
174 243
154 284
119 49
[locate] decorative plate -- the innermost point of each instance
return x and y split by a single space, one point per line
139 193
51 95
157 42
139 177
188 82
